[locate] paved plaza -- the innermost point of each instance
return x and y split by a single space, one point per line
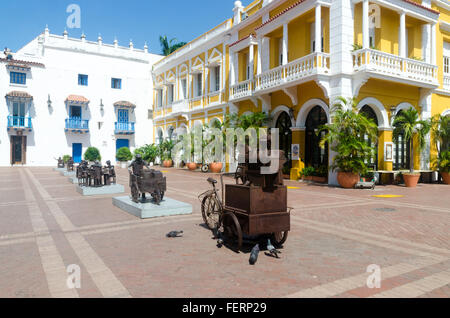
336 234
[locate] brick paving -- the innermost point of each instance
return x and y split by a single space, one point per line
45 226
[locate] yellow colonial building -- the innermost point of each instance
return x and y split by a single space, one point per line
293 58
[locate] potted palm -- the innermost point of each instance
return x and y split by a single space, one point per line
409 124
123 156
441 135
166 153
345 135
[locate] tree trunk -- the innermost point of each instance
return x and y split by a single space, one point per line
411 159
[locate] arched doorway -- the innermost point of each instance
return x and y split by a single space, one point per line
160 137
284 124
402 150
369 113
315 156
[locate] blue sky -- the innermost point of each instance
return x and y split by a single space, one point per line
140 20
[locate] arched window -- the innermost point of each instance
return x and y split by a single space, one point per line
284 125
315 156
401 151
160 138
369 113
170 133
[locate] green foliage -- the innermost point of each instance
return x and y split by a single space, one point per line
124 154
322 171
92 154
165 150
442 162
357 47
148 152
66 158
169 46
409 124
346 137
440 130
307 172
254 120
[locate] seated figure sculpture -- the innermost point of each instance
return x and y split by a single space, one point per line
70 164
109 174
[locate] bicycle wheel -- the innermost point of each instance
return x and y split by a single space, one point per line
279 238
211 210
232 229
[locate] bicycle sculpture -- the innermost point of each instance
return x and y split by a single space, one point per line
144 181
256 205
70 164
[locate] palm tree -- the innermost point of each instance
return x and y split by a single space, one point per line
409 124
440 130
169 46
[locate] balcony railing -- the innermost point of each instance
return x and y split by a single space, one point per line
77 124
313 64
19 122
241 90
392 65
447 82
124 128
180 106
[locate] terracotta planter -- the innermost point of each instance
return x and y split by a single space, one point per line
216 167
446 177
411 179
347 180
320 179
307 178
192 166
167 163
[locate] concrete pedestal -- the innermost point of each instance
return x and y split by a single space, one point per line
112 189
168 207
73 180
60 169
68 173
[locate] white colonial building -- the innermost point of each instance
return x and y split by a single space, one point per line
60 95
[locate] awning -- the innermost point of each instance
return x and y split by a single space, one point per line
124 104
19 95
77 99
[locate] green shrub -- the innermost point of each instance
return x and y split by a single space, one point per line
124 154
442 163
92 154
322 172
66 158
148 152
307 172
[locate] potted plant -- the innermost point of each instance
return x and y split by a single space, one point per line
307 173
66 159
123 156
441 135
345 135
148 153
409 124
166 153
92 154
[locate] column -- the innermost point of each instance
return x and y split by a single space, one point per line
426 42
365 25
433 44
259 57
285 44
402 40
318 26
298 138
232 78
251 55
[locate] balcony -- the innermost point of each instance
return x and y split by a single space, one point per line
19 123
446 82
124 128
383 65
293 73
180 106
77 125
241 90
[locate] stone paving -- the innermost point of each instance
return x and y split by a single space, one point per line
46 226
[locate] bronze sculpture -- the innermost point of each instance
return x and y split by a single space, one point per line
70 164
144 181
95 175
61 164
109 174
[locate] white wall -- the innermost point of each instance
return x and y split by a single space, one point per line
64 59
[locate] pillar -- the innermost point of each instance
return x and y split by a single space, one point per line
318 27
251 55
285 43
402 41
365 24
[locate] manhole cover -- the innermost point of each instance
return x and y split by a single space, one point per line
385 210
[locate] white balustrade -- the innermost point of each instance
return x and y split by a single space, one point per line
240 90
447 82
180 106
389 64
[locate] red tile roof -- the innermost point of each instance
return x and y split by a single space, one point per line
19 95
124 104
239 41
421 6
20 62
77 99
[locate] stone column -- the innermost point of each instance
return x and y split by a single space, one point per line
318 28
365 24
251 55
402 41
285 44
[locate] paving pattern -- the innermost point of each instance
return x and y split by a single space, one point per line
336 234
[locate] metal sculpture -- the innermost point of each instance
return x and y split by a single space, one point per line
256 205
61 164
83 174
144 181
109 174
96 175
70 164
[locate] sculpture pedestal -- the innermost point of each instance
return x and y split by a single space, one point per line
68 173
112 189
149 210
73 180
60 169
